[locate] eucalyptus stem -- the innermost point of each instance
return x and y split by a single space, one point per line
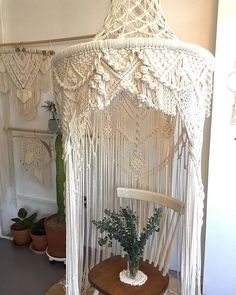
122 226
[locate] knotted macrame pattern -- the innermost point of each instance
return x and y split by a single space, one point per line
35 157
134 118
24 74
136 18
133 104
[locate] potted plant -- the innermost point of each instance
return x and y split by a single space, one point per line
53 123
38 235
122 226
55 225
20 229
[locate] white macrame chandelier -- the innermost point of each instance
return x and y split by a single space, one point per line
133 103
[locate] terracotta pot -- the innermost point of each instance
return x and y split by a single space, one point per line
39 242
21 236
56 237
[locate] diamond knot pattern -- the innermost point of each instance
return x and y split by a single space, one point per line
137 18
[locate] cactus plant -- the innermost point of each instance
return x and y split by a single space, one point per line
55 224
60 178
50 106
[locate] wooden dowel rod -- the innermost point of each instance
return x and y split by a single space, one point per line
29 130
48 41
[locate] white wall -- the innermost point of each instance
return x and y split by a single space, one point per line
24 192
1 20
47 19
220 259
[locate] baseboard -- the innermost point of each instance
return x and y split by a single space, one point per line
6 237
35 199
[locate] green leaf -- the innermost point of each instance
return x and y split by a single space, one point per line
32 217
22 213
16 220
29 221
122 226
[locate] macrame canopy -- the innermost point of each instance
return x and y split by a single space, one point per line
133 103
24 74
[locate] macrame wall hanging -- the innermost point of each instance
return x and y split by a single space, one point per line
231 84
35 155
133 104
24 74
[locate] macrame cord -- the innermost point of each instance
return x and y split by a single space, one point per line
35 158
133 104
24 74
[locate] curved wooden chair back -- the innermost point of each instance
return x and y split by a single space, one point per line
172 209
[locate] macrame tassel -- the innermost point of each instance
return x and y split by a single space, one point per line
3 78
72 252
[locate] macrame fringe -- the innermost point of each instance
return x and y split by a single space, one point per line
24 75
115 152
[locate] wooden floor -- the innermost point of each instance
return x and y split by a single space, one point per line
22 272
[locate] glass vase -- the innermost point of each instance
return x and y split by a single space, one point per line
132 266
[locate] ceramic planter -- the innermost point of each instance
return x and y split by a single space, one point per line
39 242
56 237
53 125
21 236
